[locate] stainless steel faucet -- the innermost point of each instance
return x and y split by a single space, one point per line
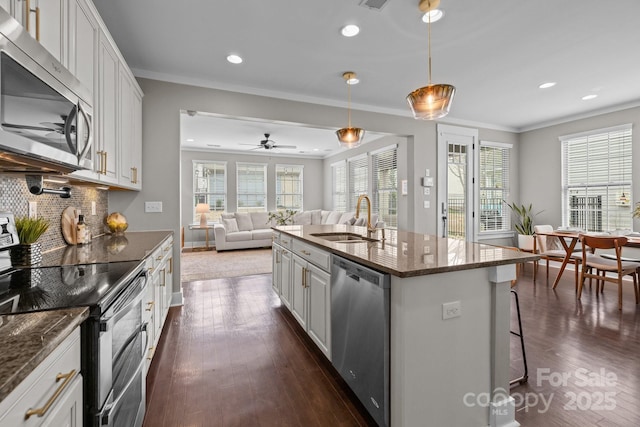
370 228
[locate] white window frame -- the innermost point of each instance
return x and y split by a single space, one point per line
285 195
391 220
604 217
262 194
355 189
506 183
206 196
339 190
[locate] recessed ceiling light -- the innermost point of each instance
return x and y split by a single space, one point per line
190 140
547 85
350 30
316 149
234 59
588 97
436 15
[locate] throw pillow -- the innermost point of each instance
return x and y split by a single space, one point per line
227 215
244 221
230 225
360 221
333 217
302 218
316 216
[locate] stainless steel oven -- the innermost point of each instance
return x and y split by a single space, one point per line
115 340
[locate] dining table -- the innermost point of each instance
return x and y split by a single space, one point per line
569 239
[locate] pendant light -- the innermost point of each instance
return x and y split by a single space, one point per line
350 137
434 100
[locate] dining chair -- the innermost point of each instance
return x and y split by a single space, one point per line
549 249
604 265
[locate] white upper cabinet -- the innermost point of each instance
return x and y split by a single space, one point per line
14 8
82 42
130 127
45 21
107 106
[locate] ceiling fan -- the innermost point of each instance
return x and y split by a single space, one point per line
269 144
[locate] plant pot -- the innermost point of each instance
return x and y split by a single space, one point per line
26 255
525 242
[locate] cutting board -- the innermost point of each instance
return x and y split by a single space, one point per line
69 222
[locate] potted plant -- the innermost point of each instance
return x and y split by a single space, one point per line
523 224
28 251
284 217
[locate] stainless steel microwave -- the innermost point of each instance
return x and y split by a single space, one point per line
45 112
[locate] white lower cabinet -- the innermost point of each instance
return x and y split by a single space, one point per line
159 292
51 395
305 289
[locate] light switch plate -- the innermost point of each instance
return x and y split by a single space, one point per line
93 207
153 207
427 204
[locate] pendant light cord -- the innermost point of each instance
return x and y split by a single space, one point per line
429 41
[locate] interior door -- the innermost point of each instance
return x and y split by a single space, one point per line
456 152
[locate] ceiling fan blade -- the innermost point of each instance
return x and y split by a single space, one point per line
253 145
284 146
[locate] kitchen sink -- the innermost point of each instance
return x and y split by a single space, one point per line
344 237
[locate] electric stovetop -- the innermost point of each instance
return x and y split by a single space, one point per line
47 288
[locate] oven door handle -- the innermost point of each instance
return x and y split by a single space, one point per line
128 307
111 407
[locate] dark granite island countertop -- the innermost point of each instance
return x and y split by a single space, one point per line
407 254
131 246
27 339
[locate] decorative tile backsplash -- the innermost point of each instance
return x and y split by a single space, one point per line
15 198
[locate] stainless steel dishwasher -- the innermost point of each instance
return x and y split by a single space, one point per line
360 333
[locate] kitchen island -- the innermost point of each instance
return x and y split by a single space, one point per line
452 372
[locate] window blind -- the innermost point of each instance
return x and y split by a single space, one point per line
494 186
289 187
339 185
210 187
358 179
385 186
252 187
597 179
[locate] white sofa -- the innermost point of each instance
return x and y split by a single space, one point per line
241 230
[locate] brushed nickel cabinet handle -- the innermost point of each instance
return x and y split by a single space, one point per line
41 411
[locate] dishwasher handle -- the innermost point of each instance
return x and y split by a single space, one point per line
358 272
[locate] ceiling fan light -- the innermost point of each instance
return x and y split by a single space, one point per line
431 102
350 137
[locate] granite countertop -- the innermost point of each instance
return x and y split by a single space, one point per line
407 254
27 339
131 246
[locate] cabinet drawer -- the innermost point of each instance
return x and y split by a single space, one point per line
312 254
58 372
275 238
286 241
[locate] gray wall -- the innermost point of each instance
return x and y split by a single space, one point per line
541 163
311 178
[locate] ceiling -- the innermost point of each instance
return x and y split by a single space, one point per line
495 52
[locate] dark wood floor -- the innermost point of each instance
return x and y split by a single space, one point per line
232 356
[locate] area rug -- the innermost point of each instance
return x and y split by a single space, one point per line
207 265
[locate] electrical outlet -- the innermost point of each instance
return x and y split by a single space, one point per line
451 310
153 207
427 204
427 191
427 172
33 209
93 208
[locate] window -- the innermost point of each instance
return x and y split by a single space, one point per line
494 186
252 187
358 181
339 173
596 179
289 187
210 187
385 185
